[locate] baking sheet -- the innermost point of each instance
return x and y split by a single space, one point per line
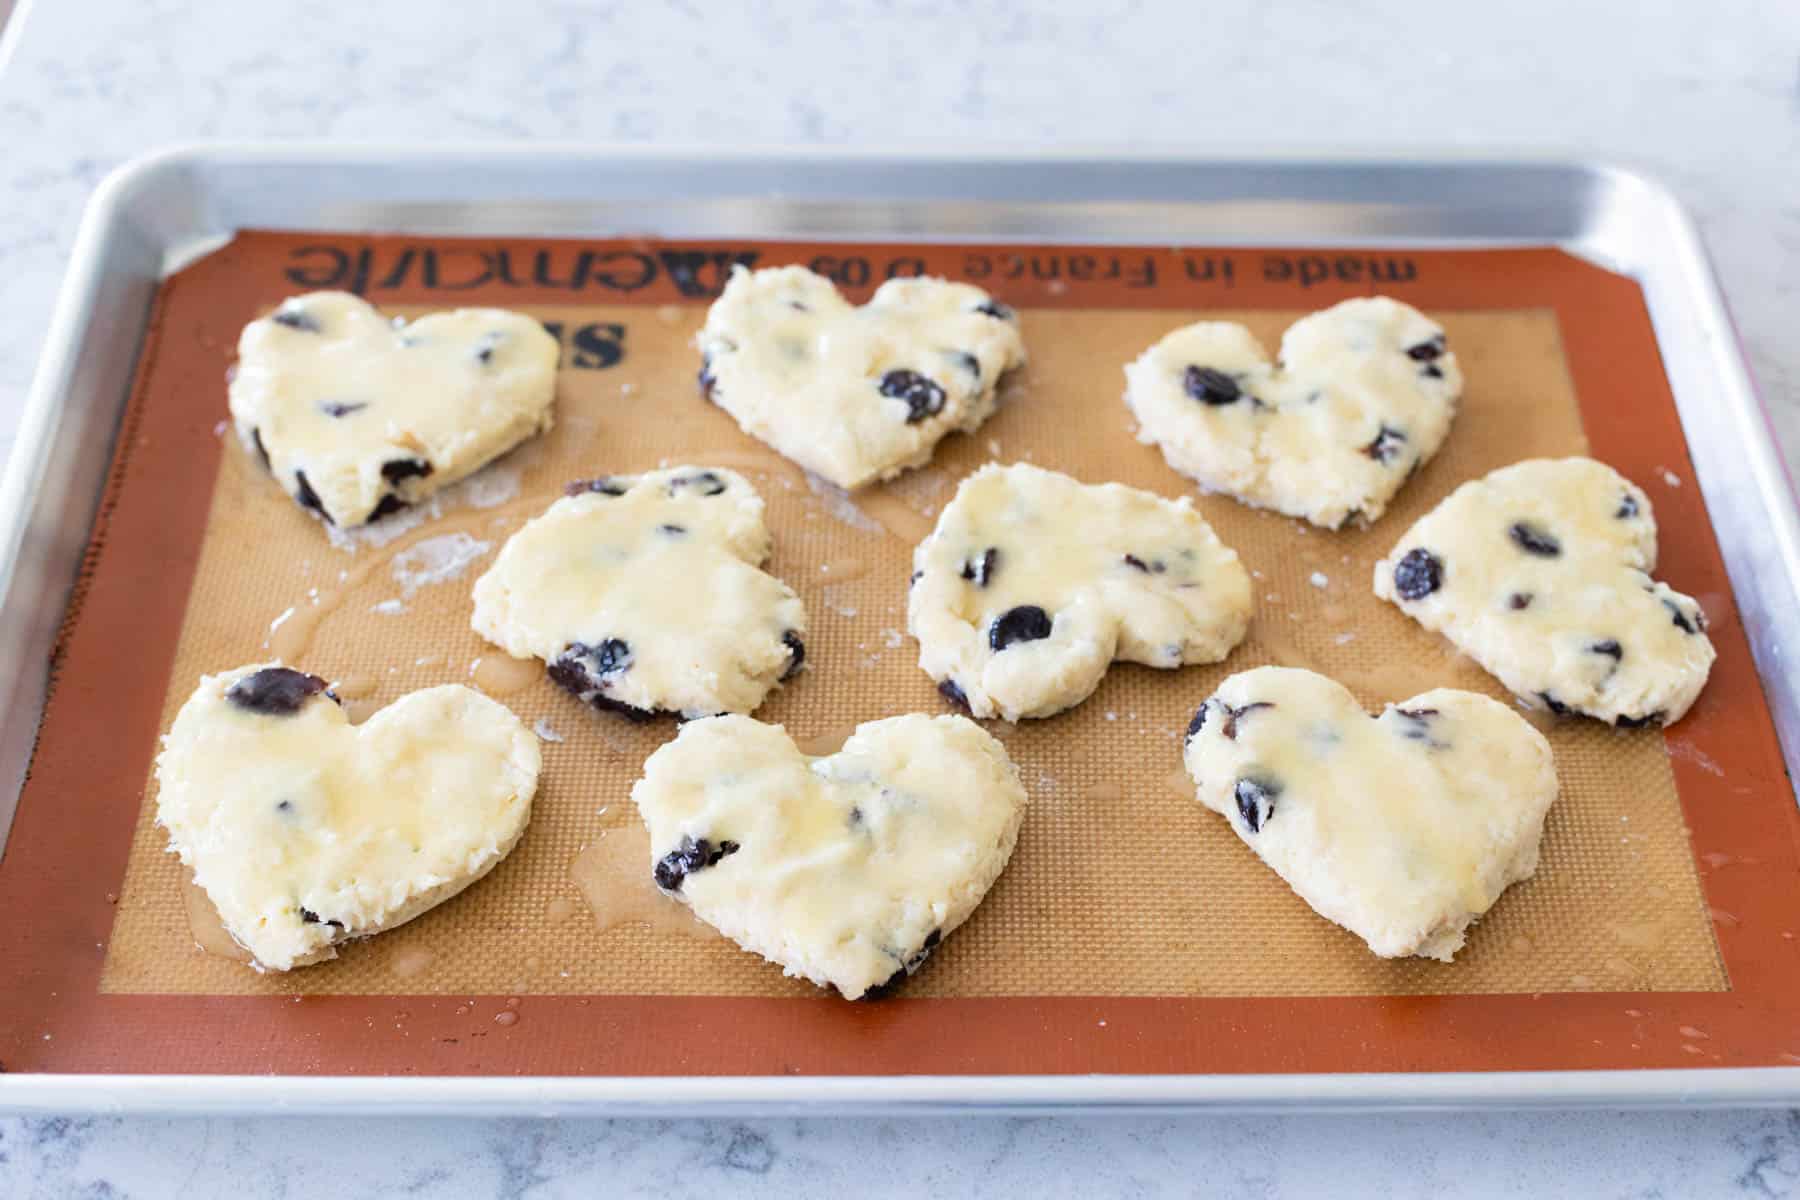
1183 936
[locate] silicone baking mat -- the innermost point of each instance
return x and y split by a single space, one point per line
1131 928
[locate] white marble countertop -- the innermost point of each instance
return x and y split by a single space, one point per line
1705 95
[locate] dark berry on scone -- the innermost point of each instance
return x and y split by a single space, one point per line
1234 715
1197 722
274 691
295 318
1418 574
690 855
386 506
1386 445
396 469
585 670
707 379
1429 350
309 917
979 570
341 408
967 362
996 310
1518 600
1256 797
923 397
949 690
1683 621
1624 722
1628 508
709 483
262 452
672 530
1155 566
603 486
908 967
1026 623
796 653
1211 386
1417 726
1534 539
1554 705
1608 648
305 497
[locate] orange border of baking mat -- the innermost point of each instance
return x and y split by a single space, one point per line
81 799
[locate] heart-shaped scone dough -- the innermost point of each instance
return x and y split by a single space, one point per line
848 869
643 593
306 830
1033 583
1405 828
358 416
855 394
1540 573
1362 394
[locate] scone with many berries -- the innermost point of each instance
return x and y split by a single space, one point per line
1540 572
1034 583
1361 395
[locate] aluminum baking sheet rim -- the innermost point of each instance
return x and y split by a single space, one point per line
1689 314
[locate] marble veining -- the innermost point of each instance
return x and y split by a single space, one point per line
1705 95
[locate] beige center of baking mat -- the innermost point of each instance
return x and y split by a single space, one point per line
1121 885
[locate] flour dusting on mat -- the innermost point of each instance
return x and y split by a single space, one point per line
436 560
839 505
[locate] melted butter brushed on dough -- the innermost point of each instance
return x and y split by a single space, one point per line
1329 434
801 368
847 869
329 388
1583 629
1404 828
365 826
1122 574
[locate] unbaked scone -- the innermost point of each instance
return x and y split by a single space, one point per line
855 394
1362 394
358 416
1540 573
306 830
1033 583
847 870
644 594
1404 828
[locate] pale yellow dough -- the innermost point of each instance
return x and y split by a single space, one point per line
1362 394
1405 828
802 369
1118 574
1584 629
356 414
652 597
846 870
362 827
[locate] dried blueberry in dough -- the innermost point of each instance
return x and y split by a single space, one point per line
1033 583
306 830
855 394
644 594
358 417
1404 828
846 870
1362 394
1540 572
